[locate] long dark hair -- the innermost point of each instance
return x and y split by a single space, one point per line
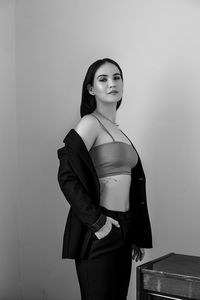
88 102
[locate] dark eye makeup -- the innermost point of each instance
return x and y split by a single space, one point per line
104 78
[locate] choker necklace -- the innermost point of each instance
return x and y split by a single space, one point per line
97 112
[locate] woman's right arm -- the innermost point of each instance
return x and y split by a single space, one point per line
74 191
76 194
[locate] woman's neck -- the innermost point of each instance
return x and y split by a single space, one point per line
109 111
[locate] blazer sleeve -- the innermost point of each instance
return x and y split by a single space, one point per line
77 195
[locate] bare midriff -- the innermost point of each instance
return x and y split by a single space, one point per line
114 192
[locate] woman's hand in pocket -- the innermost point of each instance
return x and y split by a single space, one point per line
106 228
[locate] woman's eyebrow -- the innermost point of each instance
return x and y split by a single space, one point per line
107 75
116 74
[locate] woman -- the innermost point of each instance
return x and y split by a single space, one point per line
102 178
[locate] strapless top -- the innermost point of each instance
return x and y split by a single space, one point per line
113 158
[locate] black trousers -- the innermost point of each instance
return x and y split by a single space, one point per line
105 274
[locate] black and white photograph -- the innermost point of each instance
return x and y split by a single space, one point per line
99 156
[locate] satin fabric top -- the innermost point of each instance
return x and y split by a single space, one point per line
114 157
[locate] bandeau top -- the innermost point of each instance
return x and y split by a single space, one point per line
113 158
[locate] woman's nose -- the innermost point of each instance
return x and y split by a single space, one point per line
111 83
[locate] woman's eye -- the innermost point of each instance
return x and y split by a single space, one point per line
102 79
117 78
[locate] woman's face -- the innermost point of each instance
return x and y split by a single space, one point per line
107 84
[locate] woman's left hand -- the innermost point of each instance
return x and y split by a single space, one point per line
138 253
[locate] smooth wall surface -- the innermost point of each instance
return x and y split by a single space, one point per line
157 45
9 229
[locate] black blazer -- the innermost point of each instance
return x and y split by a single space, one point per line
80 185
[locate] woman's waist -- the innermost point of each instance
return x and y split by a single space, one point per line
114 204
115 186
114 192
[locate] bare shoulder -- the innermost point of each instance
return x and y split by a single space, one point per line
88 129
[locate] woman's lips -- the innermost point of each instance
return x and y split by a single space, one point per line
113 92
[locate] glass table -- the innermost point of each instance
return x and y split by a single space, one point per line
173 276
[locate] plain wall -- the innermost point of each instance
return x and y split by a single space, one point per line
9 224
157 45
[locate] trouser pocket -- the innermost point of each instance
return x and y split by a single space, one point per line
113 240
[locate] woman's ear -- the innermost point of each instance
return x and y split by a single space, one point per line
90 89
